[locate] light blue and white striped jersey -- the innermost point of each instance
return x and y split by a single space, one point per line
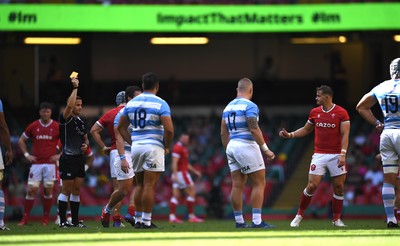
235 114
116 120
388 95
144 113
1 106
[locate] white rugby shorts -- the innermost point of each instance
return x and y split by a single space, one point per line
244 156
389 147
320 163
121 175
147 157
113 156
42 172
184 180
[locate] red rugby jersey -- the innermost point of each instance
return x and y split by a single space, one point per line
107 122
44 140
327 128
182 153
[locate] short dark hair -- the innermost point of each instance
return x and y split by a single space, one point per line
149 80
130 91
45 105
325 90
79 98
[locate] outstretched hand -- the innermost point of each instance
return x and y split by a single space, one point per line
284 134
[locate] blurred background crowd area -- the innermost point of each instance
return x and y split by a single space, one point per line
106 2
363 183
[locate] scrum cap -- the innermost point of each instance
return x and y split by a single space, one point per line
120 98
395 68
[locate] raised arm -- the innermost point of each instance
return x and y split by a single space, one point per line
71 99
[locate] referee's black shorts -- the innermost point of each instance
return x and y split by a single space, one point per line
72 166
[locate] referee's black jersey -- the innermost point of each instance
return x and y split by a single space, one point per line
72 131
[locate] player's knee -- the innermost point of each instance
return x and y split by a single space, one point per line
31 193
339 189
32 190
124 191
311 187
48 196
149 186
33 185
238 183
261 184
192 193
76 190
48 191
48 185
190 190
76 193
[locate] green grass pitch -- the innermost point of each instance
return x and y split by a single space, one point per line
211 232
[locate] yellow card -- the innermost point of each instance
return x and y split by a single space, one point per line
73 75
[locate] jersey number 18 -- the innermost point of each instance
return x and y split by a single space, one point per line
139 118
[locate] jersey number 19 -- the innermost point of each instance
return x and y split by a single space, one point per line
392 103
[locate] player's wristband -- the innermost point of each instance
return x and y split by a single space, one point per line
343 151
105 148
26 154
121 157
291 135
75 88
264 147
